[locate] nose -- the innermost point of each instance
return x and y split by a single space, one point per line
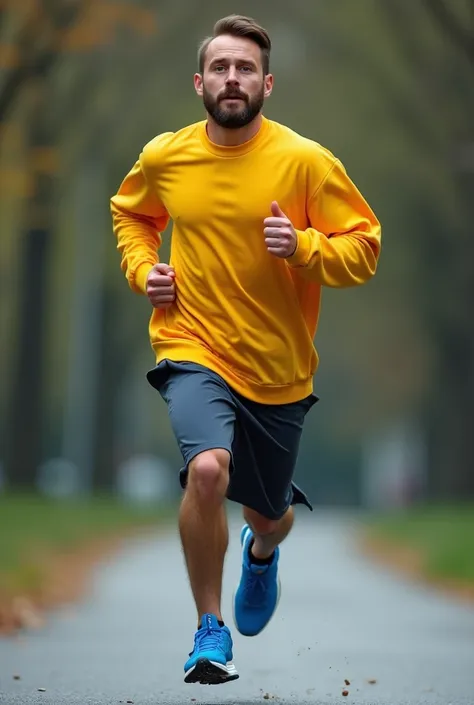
232 77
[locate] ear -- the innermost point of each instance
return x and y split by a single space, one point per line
198 83
268 85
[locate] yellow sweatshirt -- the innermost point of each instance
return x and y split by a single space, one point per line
239 310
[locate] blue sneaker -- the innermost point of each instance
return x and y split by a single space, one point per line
210 662
258 592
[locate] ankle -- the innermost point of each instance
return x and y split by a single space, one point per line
260 553
217 615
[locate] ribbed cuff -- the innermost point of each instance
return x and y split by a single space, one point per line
300 256
141 276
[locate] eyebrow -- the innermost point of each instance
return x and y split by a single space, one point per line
223 60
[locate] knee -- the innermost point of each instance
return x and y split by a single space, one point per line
260 525
209 474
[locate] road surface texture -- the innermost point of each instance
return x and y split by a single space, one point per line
339 618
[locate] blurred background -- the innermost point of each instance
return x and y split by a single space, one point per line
388 87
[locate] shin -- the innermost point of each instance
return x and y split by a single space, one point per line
203 528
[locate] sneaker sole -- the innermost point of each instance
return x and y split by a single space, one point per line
208 672
244 531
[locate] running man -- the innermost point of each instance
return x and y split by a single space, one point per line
262 219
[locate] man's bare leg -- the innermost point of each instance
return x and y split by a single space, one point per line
268 534
254 606
203 528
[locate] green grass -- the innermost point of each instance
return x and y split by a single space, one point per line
443 535
32 526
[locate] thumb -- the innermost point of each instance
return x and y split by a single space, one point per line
277 211
164 268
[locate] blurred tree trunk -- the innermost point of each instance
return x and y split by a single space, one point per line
445 249
27 393
25 421
91 221
452 418
112 370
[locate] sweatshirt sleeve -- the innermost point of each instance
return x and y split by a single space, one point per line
341 247
138 218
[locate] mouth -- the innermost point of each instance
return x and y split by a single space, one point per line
232 97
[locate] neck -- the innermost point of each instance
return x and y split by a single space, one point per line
225 137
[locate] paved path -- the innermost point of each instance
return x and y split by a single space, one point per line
338 618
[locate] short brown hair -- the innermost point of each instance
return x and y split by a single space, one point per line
239 26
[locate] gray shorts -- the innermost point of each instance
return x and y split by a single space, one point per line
262 439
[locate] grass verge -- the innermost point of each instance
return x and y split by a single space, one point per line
47 548
434 543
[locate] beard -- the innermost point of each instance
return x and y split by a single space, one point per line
233 118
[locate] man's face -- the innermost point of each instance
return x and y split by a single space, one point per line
233 87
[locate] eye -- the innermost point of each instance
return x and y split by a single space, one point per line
246 69
219 68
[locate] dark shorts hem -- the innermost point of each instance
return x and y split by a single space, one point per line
268 513
183 473
189 457
298 497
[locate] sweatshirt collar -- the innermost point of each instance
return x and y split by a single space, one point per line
235 150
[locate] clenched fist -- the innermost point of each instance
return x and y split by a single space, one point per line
160 286
280 235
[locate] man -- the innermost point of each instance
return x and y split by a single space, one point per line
262 219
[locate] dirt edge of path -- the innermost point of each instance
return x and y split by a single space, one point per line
409 562
65 580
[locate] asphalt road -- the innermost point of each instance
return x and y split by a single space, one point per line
338 618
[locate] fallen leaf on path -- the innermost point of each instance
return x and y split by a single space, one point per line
346 681
345 693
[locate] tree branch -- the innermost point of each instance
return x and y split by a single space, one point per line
17 75
33 63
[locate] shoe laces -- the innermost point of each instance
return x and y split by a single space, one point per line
255 588
208 638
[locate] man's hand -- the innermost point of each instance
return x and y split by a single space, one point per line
160 286
280 235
